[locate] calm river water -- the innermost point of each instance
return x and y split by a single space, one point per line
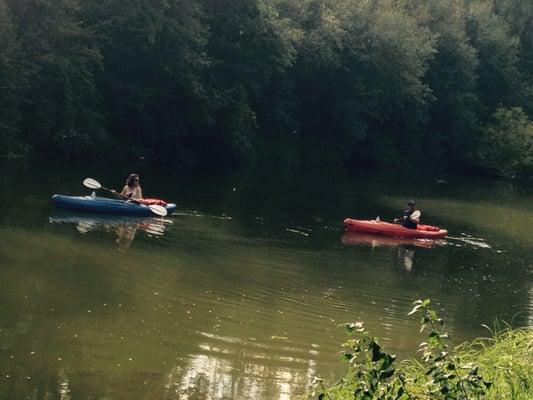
240 294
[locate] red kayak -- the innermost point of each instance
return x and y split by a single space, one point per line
386 228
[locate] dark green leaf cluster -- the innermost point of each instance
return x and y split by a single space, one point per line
373 374
446 377
506 143
217 82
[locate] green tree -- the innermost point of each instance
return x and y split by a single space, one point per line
60 105
452 79
506 143
358 75
153 56
500 80
251 46
12 83
519 17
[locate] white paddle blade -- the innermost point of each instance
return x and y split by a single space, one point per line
91 183
158 210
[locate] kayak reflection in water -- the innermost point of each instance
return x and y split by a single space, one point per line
126 232
125 228
132 189
411 216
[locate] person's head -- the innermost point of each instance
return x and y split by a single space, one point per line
133 180
411 204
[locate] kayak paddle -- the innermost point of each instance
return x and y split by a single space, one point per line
94 184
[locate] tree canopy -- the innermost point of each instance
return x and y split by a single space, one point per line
446 83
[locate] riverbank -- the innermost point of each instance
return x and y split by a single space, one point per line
504 362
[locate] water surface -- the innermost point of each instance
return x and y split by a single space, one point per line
240 294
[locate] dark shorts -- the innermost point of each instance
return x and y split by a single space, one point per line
409 224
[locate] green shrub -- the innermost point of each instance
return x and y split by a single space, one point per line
496 368
506 143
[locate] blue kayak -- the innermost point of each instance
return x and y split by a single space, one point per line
104 205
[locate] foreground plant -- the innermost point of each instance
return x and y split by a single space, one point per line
373 373
447 377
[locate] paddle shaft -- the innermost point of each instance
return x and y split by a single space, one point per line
117 193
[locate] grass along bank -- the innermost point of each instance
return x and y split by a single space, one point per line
499 367
505 360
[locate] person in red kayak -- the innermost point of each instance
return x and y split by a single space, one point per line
132 189
411 216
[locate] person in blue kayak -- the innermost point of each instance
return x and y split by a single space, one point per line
132 189
411 216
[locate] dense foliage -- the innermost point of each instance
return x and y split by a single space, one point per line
380 82
497 368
